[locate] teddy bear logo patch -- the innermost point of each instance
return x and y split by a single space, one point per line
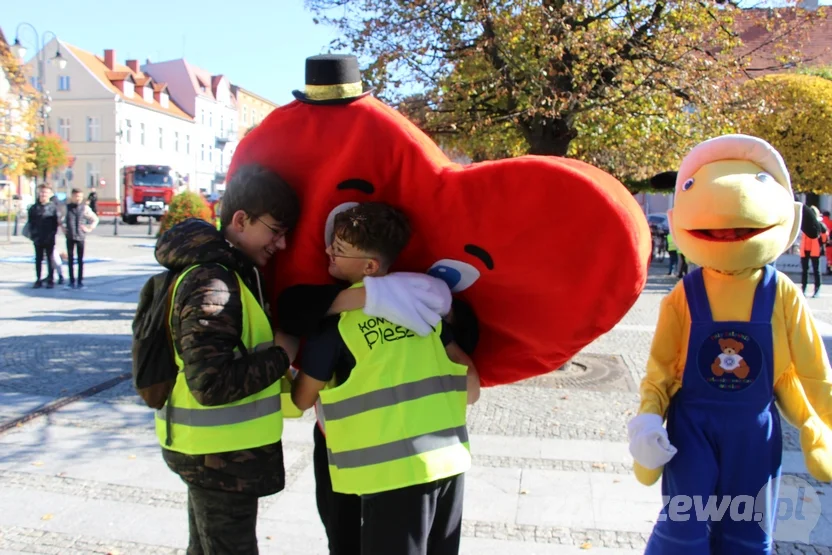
730 360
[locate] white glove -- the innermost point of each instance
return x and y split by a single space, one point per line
411 300
649 445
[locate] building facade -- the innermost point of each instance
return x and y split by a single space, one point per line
209 101
251 108
113 115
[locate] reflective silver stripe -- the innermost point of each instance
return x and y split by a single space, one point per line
398 449
222 416
394 395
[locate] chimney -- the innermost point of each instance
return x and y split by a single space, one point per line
110 59
133 65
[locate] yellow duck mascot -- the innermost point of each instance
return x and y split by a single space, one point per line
732 338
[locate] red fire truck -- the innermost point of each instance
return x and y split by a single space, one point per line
147 191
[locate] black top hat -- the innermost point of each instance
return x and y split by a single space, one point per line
332 79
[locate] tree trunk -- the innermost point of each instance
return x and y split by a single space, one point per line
548 137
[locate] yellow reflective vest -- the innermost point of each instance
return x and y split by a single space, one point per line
399 419
248 423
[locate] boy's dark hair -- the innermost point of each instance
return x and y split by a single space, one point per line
257 190
374 227
44 186
75 191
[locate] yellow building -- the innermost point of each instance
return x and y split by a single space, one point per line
251 108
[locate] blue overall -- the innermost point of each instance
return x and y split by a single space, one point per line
727 431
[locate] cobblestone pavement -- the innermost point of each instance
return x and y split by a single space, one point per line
59 343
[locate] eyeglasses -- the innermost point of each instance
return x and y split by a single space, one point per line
275 231
333 254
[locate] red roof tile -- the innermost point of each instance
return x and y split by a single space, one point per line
774 36
121 72
119 76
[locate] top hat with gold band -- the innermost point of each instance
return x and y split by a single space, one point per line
332 79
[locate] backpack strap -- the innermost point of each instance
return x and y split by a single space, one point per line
168 409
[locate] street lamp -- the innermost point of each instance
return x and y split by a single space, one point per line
58 60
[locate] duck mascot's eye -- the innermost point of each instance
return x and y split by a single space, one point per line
687 184
763 177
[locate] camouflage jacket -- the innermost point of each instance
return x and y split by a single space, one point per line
206 325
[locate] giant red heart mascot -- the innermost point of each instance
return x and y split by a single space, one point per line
550 252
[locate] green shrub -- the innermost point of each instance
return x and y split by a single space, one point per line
183 206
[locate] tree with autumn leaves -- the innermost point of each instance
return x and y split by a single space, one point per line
47 154
794 114
626 85
18 115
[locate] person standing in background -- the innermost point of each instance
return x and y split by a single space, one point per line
57 262
811 250
43 226
92 200
77 222
828 223
672 253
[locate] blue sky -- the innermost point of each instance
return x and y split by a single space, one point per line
259 44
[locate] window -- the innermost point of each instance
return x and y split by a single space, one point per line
93 175
93 129
163 100
187 144
128 89
202 152
202 115
147 93
210 154
128 131
63 82
210 119
161 138
222 124
141 134
63 128
245 115
176 141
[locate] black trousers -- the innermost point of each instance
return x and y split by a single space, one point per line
804 270
340 513
79 246
221 523
673 258
44 251
417 520
683 265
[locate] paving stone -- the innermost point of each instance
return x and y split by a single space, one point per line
532 425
